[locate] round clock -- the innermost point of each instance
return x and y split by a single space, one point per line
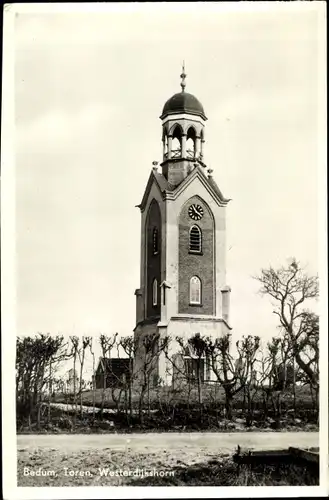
195 212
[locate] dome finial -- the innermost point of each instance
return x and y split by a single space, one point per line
183 76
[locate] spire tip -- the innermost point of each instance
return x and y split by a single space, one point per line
183 76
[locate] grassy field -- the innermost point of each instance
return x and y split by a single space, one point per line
170 411
94 467
211 393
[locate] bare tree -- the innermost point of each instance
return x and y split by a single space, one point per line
196 346
277 375
152 346
182 380
37 359
309 352
291 287
248 349
86 342
75 349
180 371
107 343
93 380
50 389
119 384
130 347
232 374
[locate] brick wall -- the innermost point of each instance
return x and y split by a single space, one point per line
194 264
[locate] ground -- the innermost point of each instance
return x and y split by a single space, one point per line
174 459
211 393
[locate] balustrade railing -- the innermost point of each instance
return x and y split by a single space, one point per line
177 153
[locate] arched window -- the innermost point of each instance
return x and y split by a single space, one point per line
195 239
190 142
176 145
195 290
166 144
155 241
202 141
155 293
176 148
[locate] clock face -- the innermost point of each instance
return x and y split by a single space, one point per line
195 212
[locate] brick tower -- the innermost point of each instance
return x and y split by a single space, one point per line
183 287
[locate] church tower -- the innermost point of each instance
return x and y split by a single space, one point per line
183 287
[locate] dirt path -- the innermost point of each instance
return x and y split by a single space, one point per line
99 459
168 441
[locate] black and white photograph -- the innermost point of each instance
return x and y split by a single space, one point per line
164 267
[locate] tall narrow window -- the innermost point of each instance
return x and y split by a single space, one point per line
176 145
190 142
155 241
195 239
155 292
195 290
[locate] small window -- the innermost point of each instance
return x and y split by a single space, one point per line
195 290
192 368
155 241
195 239
155 292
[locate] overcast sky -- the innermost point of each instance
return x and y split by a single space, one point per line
89 90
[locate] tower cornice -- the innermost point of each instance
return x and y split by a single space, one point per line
183 117
200 318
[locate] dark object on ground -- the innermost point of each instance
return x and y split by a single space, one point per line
307 459
311 455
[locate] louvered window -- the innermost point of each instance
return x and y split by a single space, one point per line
195 239
155 241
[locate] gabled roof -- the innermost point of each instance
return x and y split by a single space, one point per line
160 181
208 183
213 183
168 191
112 363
